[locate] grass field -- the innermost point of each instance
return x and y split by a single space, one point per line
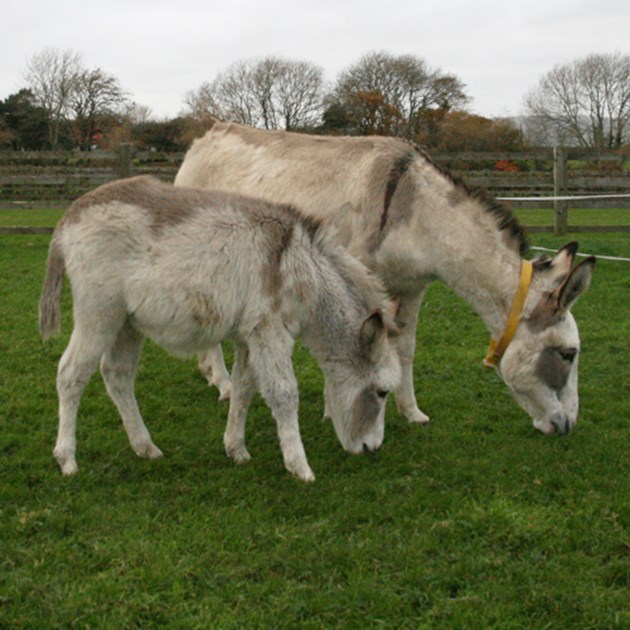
475 521
535 216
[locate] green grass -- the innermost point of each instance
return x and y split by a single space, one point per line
475 521
30 217
577 216
535 216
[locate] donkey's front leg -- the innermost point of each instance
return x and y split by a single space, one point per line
407 320
270 357
243 390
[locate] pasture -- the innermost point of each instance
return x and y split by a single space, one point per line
476 520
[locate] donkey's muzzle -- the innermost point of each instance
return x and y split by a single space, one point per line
561 424
369 450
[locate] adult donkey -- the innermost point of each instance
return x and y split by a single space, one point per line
411 223
190 268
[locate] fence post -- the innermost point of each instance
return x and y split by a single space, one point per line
560 208
125 155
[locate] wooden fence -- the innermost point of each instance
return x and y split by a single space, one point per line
54 179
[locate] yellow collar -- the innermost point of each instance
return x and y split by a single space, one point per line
498 348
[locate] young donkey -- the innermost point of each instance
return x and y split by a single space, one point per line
411 223
190 268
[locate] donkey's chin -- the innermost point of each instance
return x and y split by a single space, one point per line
363 446
558 423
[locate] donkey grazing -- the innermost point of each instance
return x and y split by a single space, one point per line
190 268
411 223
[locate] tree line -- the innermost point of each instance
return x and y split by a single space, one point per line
64 104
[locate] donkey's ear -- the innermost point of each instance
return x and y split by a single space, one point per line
557 270
553 304
563 260
578 281
568 251
373 333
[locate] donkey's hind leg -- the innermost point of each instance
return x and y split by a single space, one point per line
118 367
212 366
243 390
78 363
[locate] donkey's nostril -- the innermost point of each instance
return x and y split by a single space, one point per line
561 424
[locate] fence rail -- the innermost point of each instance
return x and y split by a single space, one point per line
55 179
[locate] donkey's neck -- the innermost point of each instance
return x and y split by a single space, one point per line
488 285
478 260
330 326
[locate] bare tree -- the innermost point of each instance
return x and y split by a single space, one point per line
269 93
51 76
95 95
137 114
233 94
263 78
75 98
585 103
201 104
404 84
297 94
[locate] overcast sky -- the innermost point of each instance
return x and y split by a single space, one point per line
161 49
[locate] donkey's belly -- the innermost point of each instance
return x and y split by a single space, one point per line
181 342
179 323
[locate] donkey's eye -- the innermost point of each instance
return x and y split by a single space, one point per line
568 355
382 393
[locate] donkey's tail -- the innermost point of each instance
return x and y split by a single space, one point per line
50 299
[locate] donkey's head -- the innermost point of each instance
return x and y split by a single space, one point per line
357 386
540 364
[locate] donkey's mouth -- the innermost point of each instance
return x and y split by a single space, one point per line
544 426
558 424
370 450
561 424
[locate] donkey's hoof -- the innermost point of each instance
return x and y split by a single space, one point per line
307 476
302 472
239 454
67 463
223 385
225 392
69 468
148 451
416 416
242 457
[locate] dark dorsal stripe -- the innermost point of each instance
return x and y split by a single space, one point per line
398 169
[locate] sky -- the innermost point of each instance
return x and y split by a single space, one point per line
162 49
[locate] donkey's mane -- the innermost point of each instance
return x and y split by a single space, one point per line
369 288
282 219
504 217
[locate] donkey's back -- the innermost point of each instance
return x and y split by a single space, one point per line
342 180
176 262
